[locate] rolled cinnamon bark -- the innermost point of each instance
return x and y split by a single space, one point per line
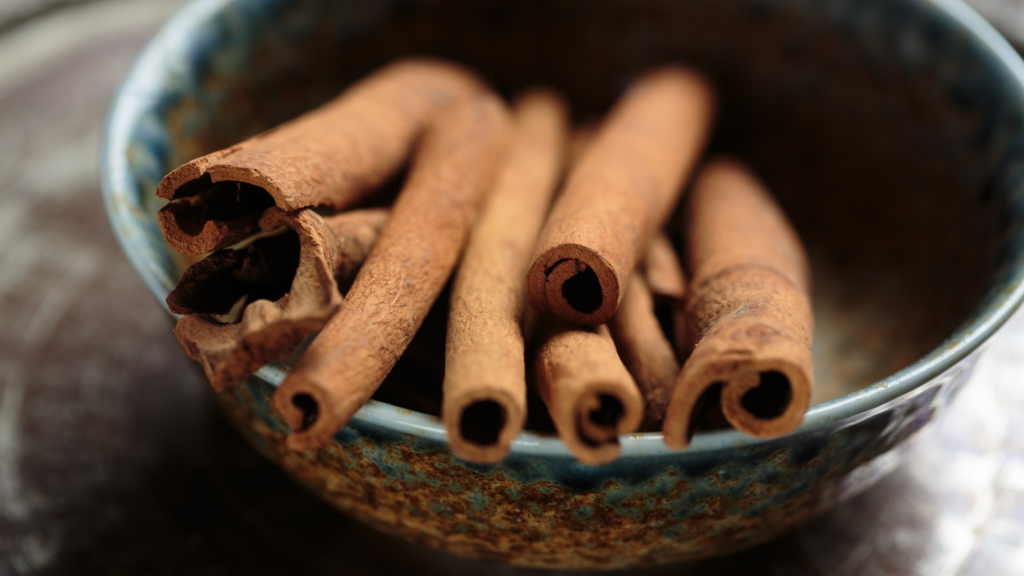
418 248
484 406
332 156
644 349
267 296
589 393
748 310
620 192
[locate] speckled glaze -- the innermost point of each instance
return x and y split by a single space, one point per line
891 130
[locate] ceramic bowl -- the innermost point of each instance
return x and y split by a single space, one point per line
892 131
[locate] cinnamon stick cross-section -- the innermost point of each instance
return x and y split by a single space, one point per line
485 368
406 271
748 312
255 303
589 393
621 191
333 156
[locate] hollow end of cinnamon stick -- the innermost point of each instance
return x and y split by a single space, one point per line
600 416
307 408
334 155
748 315
764 396
208 215
753 339
591 397
256 302
484 404
768 401
574 283
482 424
621 189
264 270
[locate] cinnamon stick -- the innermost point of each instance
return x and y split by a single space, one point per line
644 348
620 192
589 393
332 156
418 248
748 312
283 286
484 405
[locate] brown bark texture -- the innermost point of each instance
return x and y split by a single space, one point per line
644 348
621 191
330 250
334 156
431 219
485 365
748 311
591 397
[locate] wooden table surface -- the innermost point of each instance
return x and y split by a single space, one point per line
114 460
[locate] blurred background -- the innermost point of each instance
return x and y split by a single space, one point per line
114 460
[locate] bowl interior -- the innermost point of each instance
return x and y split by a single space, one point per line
893 137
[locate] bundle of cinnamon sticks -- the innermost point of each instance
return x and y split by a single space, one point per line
563 281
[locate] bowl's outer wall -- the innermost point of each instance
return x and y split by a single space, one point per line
554 512
226 69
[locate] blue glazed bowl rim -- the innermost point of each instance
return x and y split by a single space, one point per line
142 89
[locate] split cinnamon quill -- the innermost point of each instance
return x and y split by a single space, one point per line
619 193
332 156
430 222
485 374
748 312
267 295
589 393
